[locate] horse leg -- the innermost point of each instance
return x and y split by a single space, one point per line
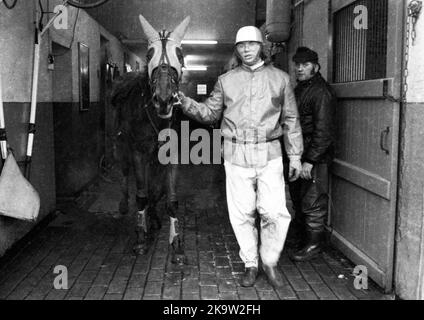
153 199
123 203
141 230
175 241
142 218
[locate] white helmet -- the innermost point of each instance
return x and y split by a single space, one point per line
249 33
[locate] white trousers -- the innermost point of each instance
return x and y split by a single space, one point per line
261 189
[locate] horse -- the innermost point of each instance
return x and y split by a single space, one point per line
145 105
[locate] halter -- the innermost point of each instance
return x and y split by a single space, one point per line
164 37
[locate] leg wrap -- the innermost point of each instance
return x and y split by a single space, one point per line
142 220
173 229
142 243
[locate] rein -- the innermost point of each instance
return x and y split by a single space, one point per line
152 122
146 109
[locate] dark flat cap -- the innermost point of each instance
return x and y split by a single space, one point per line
304 54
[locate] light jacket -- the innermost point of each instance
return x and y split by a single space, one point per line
257 108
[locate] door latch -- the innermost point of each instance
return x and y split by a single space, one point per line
384 140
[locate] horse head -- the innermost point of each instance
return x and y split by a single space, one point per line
164 64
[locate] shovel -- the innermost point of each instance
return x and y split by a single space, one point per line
18 198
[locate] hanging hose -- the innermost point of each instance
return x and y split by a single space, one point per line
86 4
10 6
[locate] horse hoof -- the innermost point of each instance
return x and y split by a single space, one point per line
179 259
178 256
140 249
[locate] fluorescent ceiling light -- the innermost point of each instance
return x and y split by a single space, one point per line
199 42
192 57
195 68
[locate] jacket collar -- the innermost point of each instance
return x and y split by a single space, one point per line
307 83
256 67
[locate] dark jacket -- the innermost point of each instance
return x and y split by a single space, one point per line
316 102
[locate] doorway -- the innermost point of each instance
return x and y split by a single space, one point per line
62 114
366 71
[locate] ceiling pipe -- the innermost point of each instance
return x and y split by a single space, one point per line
277 25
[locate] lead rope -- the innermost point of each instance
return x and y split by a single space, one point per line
146 108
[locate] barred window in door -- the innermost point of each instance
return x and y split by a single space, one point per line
360 53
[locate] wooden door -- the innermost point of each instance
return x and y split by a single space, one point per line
366 69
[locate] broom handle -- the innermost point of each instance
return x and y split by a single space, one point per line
36 64
31 125
3 142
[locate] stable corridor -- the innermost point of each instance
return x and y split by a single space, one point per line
94 242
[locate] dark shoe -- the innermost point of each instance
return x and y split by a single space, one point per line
274 276
312 249
249 277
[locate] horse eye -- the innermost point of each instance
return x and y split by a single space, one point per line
150 54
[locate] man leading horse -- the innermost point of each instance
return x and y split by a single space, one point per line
256 103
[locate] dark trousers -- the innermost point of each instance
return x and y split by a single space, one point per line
310 199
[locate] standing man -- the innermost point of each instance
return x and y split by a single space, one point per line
317 103
257 106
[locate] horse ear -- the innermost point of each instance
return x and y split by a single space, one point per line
148 30
180 31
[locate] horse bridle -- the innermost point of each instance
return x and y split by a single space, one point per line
164 37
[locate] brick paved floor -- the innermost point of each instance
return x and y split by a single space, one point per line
94 242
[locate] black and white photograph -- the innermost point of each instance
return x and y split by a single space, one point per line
214 157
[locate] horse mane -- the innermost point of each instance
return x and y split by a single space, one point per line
128 86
